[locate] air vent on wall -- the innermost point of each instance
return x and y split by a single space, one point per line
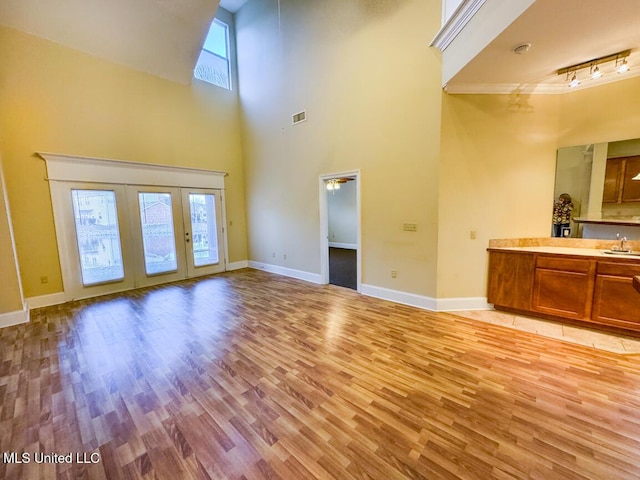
299 117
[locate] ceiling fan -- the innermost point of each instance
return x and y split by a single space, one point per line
334 183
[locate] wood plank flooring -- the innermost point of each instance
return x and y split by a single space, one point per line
248 375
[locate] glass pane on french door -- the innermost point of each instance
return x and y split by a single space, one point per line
204 244
98 236
158 235
202 216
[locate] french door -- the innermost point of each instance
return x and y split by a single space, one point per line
202 217
119 237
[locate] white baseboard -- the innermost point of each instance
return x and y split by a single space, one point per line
462 303
427 303
46 300
348 246
405 298
237 265
287 272
14 318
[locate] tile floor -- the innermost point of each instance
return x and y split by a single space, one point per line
610 342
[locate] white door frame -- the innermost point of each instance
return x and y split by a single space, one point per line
324 226
63 170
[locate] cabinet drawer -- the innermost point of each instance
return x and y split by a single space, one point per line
618 269
578 265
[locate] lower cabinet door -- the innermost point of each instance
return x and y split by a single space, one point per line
615 300
562 293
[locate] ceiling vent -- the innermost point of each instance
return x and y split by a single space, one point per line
299 117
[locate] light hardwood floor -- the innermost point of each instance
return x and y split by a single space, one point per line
248 375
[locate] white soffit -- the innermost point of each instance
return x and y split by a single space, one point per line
561 34
161 37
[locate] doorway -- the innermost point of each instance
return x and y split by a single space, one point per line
119 237
340 229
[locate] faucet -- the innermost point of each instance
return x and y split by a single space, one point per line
623 241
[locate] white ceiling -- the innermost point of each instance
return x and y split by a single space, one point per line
561 33
164 37
232 5
161 37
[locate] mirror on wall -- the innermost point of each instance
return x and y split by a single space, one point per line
603 183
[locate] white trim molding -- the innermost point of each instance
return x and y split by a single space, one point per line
14 318
324 225
397 296
456 304
533 89
237 265
454 25
287 272
46 300
72 168
427 303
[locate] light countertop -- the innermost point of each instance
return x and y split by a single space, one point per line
565 246
584 252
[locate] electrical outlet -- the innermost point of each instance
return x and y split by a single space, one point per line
44 279
273 255
410 227
284 257
394 274
473 234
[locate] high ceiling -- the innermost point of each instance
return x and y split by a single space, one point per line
232 5
162 37
561 33
135 33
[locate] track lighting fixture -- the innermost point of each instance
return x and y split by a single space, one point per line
620 65
623 66
574 80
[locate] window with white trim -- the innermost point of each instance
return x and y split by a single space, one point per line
213 65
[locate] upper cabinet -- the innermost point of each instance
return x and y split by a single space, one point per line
619 183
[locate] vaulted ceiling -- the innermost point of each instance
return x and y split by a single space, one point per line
161 37
164 37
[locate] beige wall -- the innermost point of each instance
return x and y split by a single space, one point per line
370 85
452 164
54 99
498 167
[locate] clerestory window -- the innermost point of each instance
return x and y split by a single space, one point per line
213 65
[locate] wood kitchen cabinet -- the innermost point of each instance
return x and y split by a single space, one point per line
615 301
619 186
563 286
590 288
511 279
612 180
631 187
